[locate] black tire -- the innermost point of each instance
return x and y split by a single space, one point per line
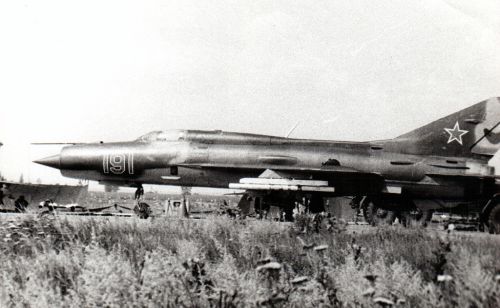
317 204
288 211
494 220
416 218
377 216
142 210
366 216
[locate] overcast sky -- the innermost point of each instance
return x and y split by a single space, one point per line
348 70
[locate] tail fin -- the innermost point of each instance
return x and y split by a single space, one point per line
470 132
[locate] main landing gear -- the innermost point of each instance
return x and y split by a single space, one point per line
416 218
141 209
375 215
494 220
380 212
490 216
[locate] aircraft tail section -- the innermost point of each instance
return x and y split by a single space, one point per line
474 131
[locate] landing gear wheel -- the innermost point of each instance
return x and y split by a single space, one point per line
494 220
288 212
317 204
377 216
416 218
143 210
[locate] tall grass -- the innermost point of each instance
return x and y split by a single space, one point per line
229 263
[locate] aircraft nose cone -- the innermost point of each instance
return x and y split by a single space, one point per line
53 161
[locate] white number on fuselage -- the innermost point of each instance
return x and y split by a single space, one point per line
118 163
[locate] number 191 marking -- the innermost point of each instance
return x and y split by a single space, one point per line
118 163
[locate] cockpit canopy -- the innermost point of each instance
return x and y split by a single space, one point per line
203 136
168 135
223 137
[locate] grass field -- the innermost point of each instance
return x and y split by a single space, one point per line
84 262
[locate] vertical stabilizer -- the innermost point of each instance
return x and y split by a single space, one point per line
473 131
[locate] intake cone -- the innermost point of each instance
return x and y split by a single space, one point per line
53 161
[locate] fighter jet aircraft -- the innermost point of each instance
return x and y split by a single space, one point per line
441 165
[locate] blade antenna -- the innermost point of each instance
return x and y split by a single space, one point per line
292 129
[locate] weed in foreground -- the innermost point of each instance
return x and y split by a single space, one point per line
228 263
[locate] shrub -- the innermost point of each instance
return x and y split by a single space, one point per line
218 262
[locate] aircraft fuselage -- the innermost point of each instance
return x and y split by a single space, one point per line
216 159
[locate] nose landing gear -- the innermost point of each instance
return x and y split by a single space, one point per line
142 209
139 192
